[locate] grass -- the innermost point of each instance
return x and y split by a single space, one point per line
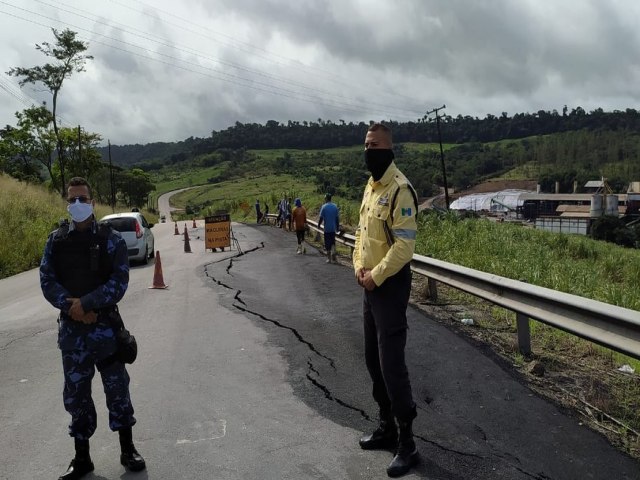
28 214
175 179
238 197
572 264
522 172
411 147
271 154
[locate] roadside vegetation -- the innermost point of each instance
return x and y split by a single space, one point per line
238 197
568 263
28 214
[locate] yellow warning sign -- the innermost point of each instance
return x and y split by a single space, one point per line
218 231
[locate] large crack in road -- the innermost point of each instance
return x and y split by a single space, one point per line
313 375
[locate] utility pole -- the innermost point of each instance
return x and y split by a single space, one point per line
80 151
444 170
113 190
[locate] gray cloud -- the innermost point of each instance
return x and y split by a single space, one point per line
214 63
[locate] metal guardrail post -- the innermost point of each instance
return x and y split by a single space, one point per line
524 334
433 289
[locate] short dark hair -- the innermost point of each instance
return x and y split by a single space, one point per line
380 127
78 182
327 196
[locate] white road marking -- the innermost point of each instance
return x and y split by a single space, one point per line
215 429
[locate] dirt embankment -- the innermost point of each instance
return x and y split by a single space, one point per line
497 185
484 187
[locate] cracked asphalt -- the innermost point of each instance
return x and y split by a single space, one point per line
251 366
476 419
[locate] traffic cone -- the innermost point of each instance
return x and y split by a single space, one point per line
158 281
194 223
187 247
176 232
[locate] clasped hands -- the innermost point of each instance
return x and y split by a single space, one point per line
77 313
365 280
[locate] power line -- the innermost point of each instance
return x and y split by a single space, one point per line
190 50
10 92
271 89
16 92
295 65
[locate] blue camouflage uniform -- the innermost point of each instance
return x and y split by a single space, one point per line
92 265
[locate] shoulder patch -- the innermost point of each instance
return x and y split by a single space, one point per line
404 182
61 232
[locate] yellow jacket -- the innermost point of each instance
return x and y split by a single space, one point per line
386 234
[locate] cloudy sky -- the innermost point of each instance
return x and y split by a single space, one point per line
167 70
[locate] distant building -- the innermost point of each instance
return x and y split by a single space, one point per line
558 212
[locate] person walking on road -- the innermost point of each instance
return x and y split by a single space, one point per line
288 216
385 243
84 273
299 218
258 212
330 216
284 211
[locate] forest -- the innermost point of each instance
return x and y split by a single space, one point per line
545 146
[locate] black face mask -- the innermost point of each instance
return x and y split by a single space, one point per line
378 160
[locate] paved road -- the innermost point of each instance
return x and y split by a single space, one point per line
251 367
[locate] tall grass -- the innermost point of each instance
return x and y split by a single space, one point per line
28 213
238 197
568 263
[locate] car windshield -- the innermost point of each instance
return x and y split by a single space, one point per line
123 224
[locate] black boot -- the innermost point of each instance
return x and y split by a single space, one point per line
406 454
81 464
130 458
383 437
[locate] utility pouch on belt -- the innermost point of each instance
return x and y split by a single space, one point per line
127 347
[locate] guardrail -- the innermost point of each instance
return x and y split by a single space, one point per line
608 325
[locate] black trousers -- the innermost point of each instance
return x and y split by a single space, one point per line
385 337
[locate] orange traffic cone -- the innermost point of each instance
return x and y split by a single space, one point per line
176 232
194 223
187 246
158 281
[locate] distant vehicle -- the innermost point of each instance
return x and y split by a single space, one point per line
163 219
136 231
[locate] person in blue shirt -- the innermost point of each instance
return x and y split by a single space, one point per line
330 216
84 273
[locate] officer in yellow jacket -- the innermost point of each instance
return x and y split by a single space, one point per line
385 242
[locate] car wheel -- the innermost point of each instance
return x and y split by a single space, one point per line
153 254
145 260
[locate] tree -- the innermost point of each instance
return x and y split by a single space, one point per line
16 148
35 123
135 186
69 58
81 152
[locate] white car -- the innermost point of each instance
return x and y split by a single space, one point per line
136 231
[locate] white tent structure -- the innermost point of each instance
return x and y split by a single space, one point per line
498 202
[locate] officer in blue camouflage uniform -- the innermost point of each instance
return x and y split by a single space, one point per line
84 273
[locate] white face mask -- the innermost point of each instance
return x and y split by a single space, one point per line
80 211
